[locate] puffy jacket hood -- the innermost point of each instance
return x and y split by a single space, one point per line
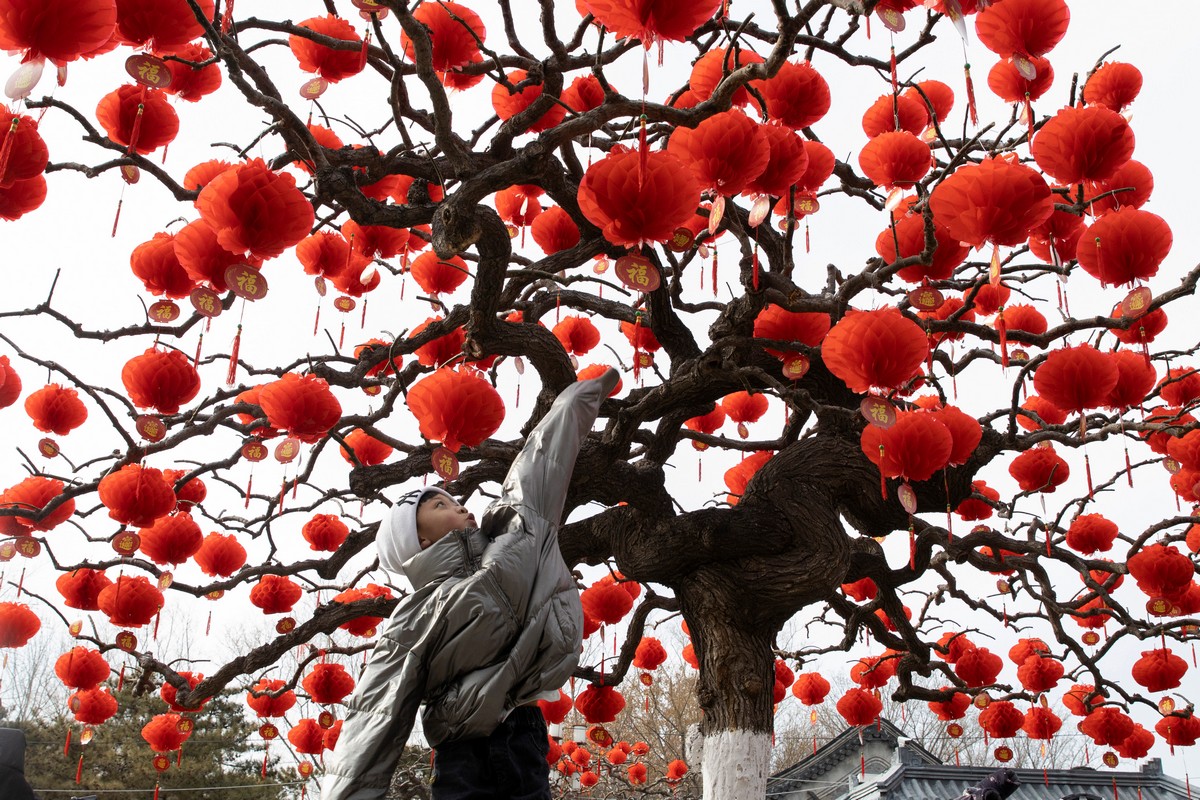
397 537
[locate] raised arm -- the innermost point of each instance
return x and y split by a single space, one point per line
540 474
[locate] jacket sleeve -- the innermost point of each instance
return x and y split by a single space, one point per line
383 708
539 476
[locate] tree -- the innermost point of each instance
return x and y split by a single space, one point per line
645 174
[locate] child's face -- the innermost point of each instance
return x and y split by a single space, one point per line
440 515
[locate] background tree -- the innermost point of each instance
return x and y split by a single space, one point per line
375 169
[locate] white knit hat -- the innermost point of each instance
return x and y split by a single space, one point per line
397 538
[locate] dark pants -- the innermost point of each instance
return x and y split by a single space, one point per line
508 765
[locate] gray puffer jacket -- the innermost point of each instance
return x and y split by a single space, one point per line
493 621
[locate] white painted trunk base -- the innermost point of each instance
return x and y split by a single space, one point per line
735 765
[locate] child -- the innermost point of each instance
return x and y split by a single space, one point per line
493 624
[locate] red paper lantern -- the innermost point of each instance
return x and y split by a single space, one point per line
364 625
1001 719
607 603
1021 318
676 770
954 708
1136 378
164 26
220 555
80 588
908 231
437 276
171 540
20 197
1130 186
136 495
193 83
328 683
1039 470
1107 725
27 154
637 774
307 737
138 109
1144 330
270 701
1049 413
1124 246
32 495
456 408
1114 85
255 210
1041 723
302 405
786 165
1076 378
374 241
952 646
797 96
776 322
519 205
965 432
156 264
810 688
651 20
1083 144
332 65
160 379
974 508
130 601
440 351
707 423
859 707
555 711
54 409
873 672
996 201
455 32
895 159
188 495
1022 28
508 103
196 252
1161 570
554 231
875 348
165 733
744 407
910 112
632 205
1090 533
650 654
937 97
599 704
325 532
17 624
978 667
714 65
1039 674
1179 730
584 94
1159 669
1079 696
739 475
368 450
169 693
275 594
861 590
92 706
577 334
59 30
1137 744
10 383
914 448
725 151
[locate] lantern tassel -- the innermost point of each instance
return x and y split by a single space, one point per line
912 546
208 625
156 790
231 375
1002 329
227 19
895 81
199 347
9 141
117 216
121 678
643 150
317 318
714 270
755 281
67 744
79 771
249 486
971 95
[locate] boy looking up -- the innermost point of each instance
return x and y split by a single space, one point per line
493 624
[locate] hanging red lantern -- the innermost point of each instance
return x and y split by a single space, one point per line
707 423
1137 744
1041 723
895 160
80 588
456 408
1159 669
895 113
171 540
908 233
17 624
1161 570
873 672
20 197
787 164
32 495
1124 246
374 241
859 707
1136 378
996 201
725 151
554 231
519 205
440 351
650 654
914 448
255 210
138 111
1080 697
165 733
952 709
1113 85
1076 378
130 601
437 276
937 97
651 20
1107 725
136 495
634 202
307 737
555 711
965 432
188 495
577 334
1090 533
368 450
302 405
275 594
92 706
325 532
508 103
1022 28
1129 187
810 688
710 68
169 693
776 322
978 667
1179 729
193 83
1026 647
196 252
880 348
739 475
861 590
160 379
744 408
199 176
164 26
455 33
156 264
952 646
797 96
584 94
973 508
270 701
220 555
1039 470
1001 719
366 624
331 256
328 683
54 409
59 30
10 383
1049 413
1083 144
607 603
599 704
1056 239
25 151
1039 674
332 65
